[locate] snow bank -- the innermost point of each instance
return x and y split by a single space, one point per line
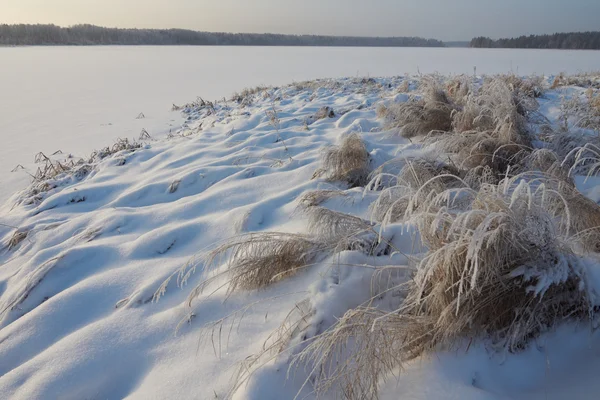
78 313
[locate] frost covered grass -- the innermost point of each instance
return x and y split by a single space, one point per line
477 236
431 113
57 170
258 260
500 264
348 162
506 233
317 197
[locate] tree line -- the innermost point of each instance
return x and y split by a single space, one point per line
573 40
36 35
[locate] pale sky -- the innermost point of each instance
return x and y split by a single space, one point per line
439 19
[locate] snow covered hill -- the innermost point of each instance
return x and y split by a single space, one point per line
105 261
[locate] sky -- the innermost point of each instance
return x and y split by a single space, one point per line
439 19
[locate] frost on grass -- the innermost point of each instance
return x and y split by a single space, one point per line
506 235
348 162
432 113
582 111
16 238
506 238
497 108
317 197
424 176
257 260
501 266
54 174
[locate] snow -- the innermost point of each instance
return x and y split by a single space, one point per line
77 99
78 317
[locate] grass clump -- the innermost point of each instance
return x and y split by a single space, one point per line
431 113
482 149
497 109
430 176
52 173
317 197
348 162
256 260
17 238
501 266
583 111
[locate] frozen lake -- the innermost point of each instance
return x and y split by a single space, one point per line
76 99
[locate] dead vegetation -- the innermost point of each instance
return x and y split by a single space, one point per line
318 197
324 112
16 238
584 80
53 173
247 96
256 260
432 113
504 247
501 266
428 175
582 111
505 236
348 162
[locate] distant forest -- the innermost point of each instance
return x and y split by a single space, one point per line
85 35
574 40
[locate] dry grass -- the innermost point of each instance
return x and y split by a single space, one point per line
13 301
331 225
392 203
483 149
54 173
559 80
51 168
345 232
318 197
348 162
17 237
548 162
324 112
498 109
247 96
532 86
364 347
585 219
120 145
501 266
585 80
502 225
199 104
594 100
316 84
432 113
404 87
256 260
459 88
583 160
584 111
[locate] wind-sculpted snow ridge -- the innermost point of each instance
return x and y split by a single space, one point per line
324 239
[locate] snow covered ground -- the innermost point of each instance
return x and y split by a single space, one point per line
79 317
77 99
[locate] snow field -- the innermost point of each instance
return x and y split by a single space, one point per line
80 314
